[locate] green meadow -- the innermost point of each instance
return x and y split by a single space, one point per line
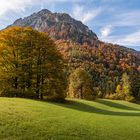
25 119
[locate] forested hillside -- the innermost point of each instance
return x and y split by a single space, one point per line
106 65
94 68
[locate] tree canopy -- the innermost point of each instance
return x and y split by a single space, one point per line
30 64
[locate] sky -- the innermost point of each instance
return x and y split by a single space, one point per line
115 21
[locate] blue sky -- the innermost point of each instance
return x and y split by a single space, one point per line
116 21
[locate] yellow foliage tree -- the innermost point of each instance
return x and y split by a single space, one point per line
29 62
80 84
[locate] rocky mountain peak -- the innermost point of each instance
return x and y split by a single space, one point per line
44 11
60 26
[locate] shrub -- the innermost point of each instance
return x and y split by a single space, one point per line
17 93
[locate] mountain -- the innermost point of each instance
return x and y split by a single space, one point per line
59 26
68 32
105 62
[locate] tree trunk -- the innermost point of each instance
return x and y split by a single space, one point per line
16 83
81 89
41 96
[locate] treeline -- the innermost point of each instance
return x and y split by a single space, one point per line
32 66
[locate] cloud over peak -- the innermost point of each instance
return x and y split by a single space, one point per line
105 31
85 15
13 5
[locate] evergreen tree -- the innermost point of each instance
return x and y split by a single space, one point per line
135 83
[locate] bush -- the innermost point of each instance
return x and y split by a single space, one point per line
17 93
130 99
120 96
54 98
110 96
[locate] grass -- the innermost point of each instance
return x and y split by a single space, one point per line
24 119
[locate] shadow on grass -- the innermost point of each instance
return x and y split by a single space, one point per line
116 105
76 105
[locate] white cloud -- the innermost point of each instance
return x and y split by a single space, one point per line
127 18
120 18
13 5
65 0
132 39
80 13
105 31
21 5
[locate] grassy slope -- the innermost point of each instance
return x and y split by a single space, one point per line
22 119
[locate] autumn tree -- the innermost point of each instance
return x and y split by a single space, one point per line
126 87
118 89
30 63
119 93
80 84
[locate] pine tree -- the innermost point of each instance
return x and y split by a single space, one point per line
135 83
